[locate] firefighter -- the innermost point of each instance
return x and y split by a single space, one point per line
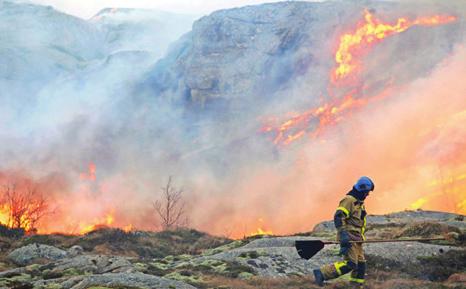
350 221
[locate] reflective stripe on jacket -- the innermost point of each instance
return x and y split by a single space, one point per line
355 216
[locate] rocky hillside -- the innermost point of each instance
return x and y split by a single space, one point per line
110 258
47 56
139 29
251 55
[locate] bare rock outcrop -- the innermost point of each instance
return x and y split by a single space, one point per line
277 256
28 254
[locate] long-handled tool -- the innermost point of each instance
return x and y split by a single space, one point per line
308 248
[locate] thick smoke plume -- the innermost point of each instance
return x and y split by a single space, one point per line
412 145
101 149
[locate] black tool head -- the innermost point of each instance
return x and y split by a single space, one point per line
308 248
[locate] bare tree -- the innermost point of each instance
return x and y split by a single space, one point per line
171 207
26 206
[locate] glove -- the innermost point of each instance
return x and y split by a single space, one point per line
345 244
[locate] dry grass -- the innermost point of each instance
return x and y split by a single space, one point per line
387 281
409 284
216 282
425 229
110 241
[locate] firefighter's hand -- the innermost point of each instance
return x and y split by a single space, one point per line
345 244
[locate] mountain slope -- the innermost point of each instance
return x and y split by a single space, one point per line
139 29
249 55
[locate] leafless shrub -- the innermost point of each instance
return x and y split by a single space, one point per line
171 207
25 205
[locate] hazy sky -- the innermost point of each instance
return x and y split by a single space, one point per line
88 8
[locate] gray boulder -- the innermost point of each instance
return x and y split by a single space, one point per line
95 264
75 251
403 218
27 254
273 257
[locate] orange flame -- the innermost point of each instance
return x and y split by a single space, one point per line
106 221
315 120
371 32
451 188
128 228
328 114
259 231
4 214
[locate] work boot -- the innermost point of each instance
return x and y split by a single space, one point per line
318 277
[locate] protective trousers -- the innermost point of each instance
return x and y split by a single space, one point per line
353 262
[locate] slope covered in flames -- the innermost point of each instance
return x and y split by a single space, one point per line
358 83
245 112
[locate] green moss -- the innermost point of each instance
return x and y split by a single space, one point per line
53 286
226 247
183 257
21 278
15 281
161 266
222 268
158 269
211 263
71 272
33 267
184 276
245 275
169 259
49 274
335 250
233 269
182 265
141 267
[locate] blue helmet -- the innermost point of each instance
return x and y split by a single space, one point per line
364 185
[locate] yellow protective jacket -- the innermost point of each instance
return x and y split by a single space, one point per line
355 217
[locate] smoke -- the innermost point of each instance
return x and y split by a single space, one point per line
235 179
402 143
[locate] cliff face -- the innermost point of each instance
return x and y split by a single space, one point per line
250 55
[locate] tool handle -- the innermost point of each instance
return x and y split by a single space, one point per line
389 240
